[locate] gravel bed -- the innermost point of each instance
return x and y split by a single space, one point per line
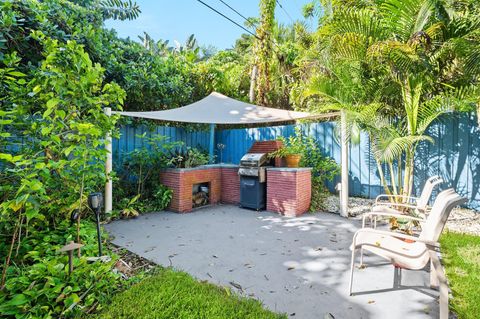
461 220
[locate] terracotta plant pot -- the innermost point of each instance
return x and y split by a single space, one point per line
292 160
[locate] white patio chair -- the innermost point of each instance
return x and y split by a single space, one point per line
415 255
419 205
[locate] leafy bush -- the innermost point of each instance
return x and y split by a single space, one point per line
323 169
292 145
129 207
138 174
38 284
161 197
132 207
187 157
54 153
138 188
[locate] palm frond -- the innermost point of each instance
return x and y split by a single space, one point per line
389 147
363 22
349 46
405 17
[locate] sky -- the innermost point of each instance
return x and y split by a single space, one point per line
177 19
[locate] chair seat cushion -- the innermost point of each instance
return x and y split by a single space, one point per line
404 254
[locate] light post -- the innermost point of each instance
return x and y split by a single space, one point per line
95 202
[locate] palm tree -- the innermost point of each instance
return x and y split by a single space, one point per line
396 66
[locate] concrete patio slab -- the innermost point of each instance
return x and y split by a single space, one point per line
299 265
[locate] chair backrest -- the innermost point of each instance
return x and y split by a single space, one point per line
441 209
424 198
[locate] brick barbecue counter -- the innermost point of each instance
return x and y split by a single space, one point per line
289 190
223 179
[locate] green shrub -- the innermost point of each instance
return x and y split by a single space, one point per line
161 197
138 188
38 284
132 207
188 157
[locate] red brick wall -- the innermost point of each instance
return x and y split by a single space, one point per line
224 185
268 147
181 182
173 179
288 191
230 185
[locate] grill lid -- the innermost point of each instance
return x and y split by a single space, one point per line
253 159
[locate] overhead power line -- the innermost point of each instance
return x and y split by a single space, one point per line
286 12
236 11
229 19
275 45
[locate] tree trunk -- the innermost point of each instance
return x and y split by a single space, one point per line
9 255
408 178
264 49
253 78
392 176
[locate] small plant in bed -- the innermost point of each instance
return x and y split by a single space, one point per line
174 294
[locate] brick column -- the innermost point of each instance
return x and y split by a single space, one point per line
173 179
230 192
289 190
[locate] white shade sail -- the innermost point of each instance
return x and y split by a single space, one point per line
220 109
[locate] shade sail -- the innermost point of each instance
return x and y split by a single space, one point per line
220 109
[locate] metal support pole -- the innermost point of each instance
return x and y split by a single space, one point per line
344 167
70 262
99 234
108 167
441 280
212 143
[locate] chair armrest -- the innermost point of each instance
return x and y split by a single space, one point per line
386 197
386 214
431 244
399 215
406 205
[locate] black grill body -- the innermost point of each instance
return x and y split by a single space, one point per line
253 181
252 193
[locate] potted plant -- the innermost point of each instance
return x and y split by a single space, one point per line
292 151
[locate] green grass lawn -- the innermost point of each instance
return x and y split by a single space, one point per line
461 258
173 294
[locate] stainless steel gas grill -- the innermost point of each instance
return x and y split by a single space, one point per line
252 173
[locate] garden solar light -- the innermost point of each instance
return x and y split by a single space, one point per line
69 248
95 201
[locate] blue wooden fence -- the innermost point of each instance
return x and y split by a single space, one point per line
130 139
455 155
